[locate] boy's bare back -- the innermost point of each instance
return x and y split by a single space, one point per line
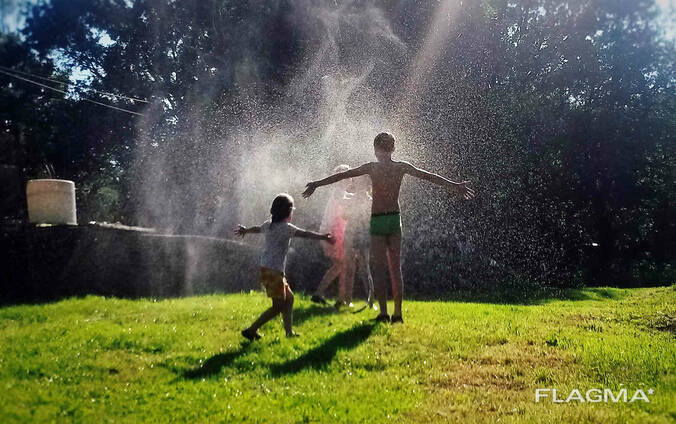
386 180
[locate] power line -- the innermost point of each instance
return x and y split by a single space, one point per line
134 99
63 92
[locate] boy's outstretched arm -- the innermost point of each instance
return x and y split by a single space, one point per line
241 230
460 188
313 235
350 173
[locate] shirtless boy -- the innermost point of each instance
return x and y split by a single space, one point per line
385 227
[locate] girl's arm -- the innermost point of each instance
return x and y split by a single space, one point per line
351 173
242 230
461 187
313 235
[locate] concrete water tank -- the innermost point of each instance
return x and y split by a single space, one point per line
51 202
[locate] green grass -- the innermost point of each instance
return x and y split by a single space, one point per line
183 360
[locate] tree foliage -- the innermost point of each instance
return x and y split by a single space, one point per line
562 112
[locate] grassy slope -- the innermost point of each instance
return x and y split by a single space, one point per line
97 359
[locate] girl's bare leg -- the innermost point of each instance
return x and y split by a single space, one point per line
332 273
364 272
379 268
368 281
394 261
267 315
287 312
347 277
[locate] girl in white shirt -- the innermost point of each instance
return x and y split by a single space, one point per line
278 233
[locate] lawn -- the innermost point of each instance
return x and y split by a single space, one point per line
99 359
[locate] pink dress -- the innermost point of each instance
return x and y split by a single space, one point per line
334 223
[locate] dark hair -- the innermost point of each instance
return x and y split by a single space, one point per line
281 207
384 141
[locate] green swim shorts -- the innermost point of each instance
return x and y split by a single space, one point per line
385 224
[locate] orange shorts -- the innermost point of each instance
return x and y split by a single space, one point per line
274 283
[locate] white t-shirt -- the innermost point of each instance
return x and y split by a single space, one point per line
277 240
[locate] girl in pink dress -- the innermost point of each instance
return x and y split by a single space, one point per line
334 222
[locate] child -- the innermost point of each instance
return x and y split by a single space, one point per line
385 226
278 233
357 239
333 221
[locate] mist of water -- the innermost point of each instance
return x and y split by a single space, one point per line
214 169
329 114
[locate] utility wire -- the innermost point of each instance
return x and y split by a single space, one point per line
63 92
134 99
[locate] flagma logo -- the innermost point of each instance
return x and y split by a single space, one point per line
593 395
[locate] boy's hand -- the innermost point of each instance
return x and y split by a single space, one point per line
309 189
329 238
241 230
462 189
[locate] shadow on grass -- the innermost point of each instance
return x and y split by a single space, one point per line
320 356
529 295
213 365
304 314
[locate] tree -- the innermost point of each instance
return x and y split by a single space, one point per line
561 112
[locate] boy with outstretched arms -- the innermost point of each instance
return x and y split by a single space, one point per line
385 226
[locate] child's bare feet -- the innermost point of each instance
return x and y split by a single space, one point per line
251 335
